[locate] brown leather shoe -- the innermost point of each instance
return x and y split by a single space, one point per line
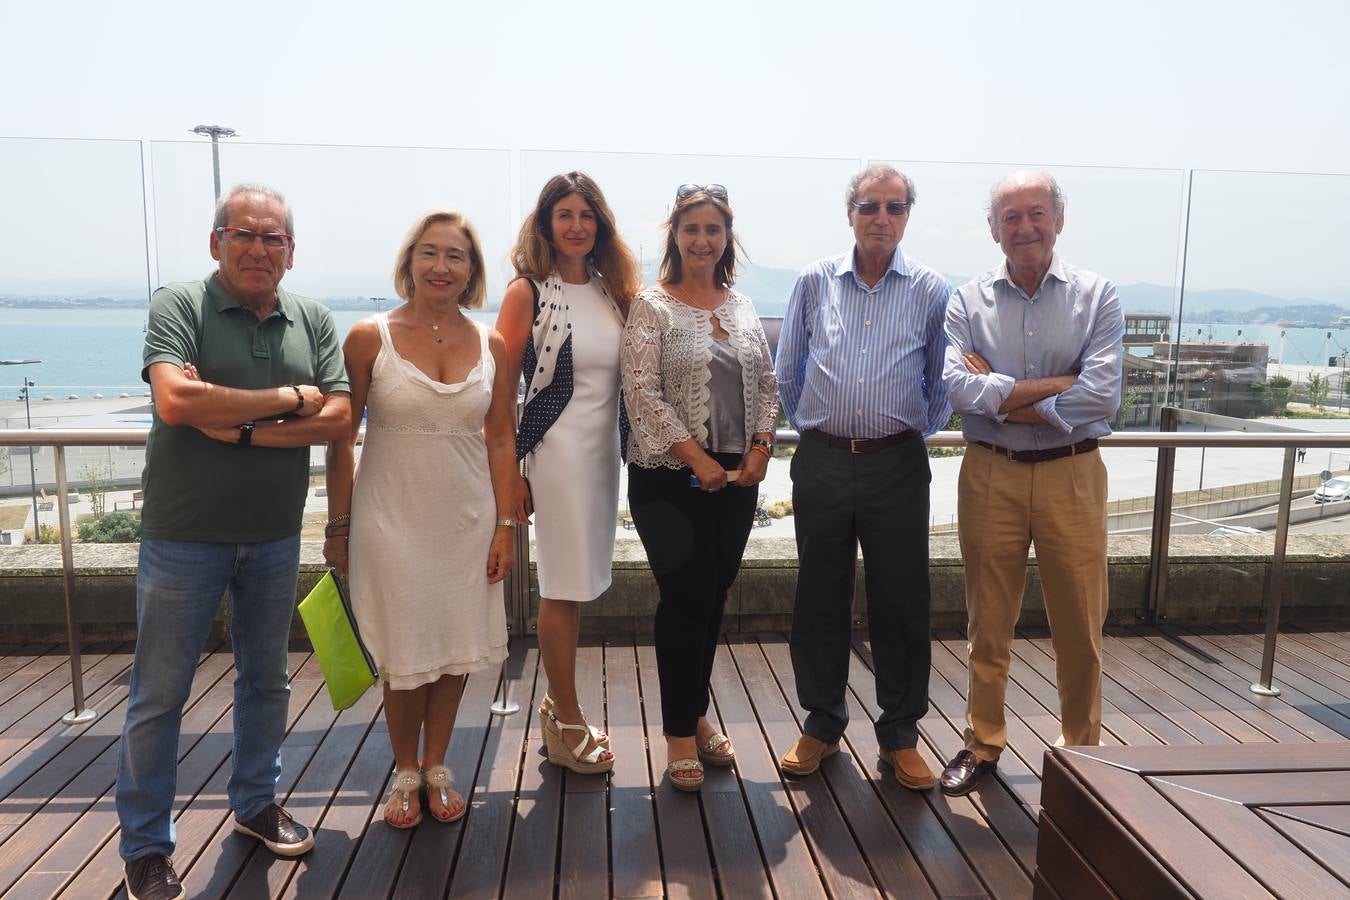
910 769
806 755
962 773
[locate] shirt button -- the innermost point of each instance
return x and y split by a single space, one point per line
860 412
1031 366
860 381
1030 333
864 349
868 322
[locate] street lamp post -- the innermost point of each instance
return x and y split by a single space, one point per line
215 132
28 385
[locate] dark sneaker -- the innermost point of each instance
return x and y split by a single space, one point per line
153 878
278 831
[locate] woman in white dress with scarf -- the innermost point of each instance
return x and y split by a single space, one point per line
562 320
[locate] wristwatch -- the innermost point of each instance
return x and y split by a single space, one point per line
760 442
245 435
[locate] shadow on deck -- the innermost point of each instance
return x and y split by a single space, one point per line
534 832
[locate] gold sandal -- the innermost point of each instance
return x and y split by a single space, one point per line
407 782
438 779
707 751
688 783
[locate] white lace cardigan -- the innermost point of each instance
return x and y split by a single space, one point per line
666 349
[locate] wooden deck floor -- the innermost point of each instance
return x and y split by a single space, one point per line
531 832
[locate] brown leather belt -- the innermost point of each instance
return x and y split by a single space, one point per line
860 445
1035 456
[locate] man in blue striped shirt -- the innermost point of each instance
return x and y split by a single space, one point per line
1034 368
860 375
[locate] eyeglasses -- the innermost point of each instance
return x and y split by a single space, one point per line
872 207
242 237
717 191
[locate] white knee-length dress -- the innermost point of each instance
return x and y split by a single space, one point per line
574 472
423 517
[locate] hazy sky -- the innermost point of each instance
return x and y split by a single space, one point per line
1119 99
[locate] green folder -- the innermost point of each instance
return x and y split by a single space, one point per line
348 668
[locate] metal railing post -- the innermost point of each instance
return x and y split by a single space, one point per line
1265 686
1162 522
80 714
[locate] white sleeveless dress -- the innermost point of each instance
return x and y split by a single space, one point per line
423 517
574 472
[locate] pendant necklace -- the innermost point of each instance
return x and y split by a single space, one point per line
435 329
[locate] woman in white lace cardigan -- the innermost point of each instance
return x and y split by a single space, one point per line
702 401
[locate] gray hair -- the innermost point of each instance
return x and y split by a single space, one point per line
1056 194
261 191
877 171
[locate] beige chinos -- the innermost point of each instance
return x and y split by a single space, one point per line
1003 508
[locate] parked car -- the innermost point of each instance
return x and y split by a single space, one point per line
1333 490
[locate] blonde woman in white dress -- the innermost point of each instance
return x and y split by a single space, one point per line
431 509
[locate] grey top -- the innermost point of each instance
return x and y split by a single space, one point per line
726 400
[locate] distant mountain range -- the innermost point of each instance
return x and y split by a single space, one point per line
770 288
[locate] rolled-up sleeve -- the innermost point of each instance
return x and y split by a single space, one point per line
970 393
1096 395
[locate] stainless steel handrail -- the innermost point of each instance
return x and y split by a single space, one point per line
1167 441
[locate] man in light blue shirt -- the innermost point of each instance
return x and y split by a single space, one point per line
1033 364
860 376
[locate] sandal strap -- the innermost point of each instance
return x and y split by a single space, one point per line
406 781
684 765
713 742
439 777
588 736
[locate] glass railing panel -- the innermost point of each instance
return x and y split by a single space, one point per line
1263 334
352 207
73 288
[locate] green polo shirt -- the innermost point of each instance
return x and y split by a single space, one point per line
199 489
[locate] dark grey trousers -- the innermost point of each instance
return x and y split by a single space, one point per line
880 501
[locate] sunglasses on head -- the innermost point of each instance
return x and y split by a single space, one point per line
717 191
872 207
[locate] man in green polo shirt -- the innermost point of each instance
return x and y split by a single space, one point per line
245 377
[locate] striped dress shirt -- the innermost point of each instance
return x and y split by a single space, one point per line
864 362
1072 325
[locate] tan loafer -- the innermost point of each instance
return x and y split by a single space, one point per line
806 755
910 769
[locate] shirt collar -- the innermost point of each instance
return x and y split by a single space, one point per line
1055 271
224 300
898 263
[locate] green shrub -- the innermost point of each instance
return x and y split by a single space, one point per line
114 528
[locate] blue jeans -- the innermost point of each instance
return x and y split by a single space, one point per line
178 589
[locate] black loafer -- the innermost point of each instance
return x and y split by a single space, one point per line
278 831
152 878
963 772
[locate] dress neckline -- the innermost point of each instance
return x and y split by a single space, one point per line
409 364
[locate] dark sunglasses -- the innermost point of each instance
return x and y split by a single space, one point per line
872 207
717 191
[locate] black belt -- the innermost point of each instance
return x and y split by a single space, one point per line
860 445
1036 456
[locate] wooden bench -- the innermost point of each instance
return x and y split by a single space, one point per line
133 503
1238 820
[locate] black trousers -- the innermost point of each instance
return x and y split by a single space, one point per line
694 542
880 501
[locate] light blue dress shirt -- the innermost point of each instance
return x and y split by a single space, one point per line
864 362
1073 324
